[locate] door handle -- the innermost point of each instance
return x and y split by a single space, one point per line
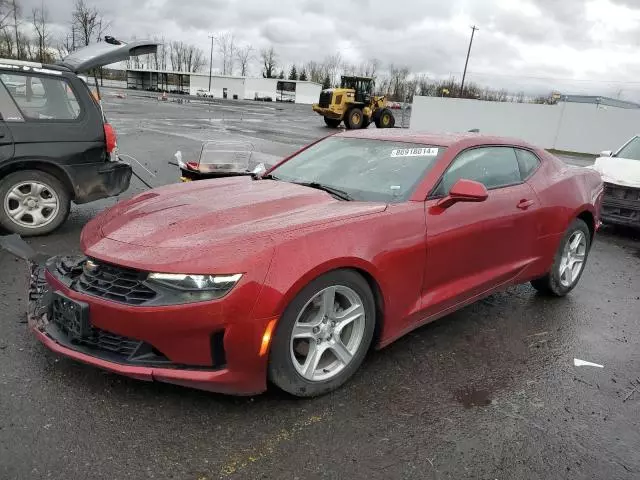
524 204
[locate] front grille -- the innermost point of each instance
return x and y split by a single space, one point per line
114 283
325 99
622 193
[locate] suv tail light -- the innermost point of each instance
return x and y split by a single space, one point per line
110 137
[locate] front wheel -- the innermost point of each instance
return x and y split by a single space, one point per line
385 119
323 335
33 203
355 118
569 262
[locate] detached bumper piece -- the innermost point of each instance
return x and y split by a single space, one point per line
101 180
621 205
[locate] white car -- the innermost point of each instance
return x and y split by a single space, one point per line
204 93
620 172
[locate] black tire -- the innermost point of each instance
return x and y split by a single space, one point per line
53 186
385 119
282 372
550 284
355 118
332 122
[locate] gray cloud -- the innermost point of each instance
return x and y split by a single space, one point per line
429 36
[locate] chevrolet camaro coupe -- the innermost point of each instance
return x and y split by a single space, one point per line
291 276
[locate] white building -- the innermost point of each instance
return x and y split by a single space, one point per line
225 86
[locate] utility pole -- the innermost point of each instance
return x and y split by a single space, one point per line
464 74
210 63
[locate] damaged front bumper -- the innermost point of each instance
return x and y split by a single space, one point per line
77 326
621 205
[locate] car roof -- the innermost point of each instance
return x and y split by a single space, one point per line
469 139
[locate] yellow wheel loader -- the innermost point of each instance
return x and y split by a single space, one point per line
355 104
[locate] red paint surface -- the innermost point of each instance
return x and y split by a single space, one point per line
425 261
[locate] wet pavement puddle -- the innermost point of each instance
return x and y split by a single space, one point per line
471 397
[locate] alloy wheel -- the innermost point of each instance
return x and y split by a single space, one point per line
573 259
327 333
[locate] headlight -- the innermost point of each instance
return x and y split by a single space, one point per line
210 286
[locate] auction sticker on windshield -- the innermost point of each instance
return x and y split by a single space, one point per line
414 152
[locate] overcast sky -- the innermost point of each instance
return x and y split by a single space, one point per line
573 46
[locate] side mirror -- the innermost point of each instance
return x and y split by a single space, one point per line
606 153
464 191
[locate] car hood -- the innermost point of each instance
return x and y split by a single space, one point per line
236 209
620 171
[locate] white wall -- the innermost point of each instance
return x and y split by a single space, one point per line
533 123
591 128
576 127
307 92
234 86
264 87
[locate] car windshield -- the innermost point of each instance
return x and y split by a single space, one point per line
630 150
365 169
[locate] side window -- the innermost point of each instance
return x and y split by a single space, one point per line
494 167
42 98
528 162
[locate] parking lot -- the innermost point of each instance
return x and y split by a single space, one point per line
490 392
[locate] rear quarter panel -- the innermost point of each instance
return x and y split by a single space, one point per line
564 193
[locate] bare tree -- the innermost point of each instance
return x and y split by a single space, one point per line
333 63
88 22
176 55
65 45
40 21
185 57
226 43
269 61
194 59
244 54
6 43
315 71
16 15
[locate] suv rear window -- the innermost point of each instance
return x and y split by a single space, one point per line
42 98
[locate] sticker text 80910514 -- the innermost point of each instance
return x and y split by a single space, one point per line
414 152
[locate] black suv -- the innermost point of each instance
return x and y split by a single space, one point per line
55 143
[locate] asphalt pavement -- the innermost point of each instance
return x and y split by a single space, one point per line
490 392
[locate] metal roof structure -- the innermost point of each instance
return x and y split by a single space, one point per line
598 100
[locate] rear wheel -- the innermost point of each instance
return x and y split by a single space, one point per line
331 122
355 118
323 335
33 203
385 119
569 262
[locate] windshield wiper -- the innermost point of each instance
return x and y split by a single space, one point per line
336 192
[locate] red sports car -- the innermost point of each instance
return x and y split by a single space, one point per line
291 277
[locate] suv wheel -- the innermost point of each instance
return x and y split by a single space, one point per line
32 203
